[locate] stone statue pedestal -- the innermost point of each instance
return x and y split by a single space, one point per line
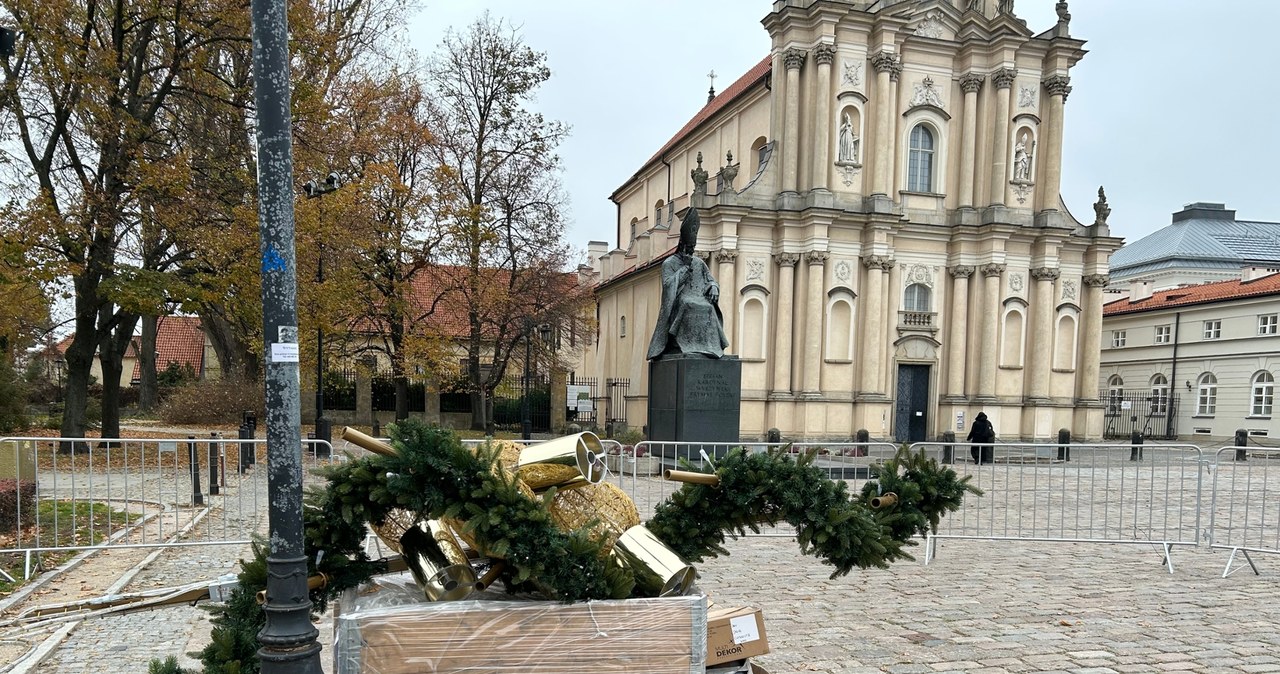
695 399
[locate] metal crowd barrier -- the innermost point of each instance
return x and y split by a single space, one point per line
1087 493
80 493
1244 513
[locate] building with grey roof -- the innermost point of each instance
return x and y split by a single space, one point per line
1205 242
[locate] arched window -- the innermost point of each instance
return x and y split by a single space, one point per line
1115 393
760 148
1012 338
657 213
920 160
1159 394
634 222
1264 386
916 298
622 326
1064 353
1207 395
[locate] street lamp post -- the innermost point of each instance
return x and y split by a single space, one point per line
315 190
59 365
526 422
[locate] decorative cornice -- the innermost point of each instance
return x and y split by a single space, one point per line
816 257
881 262
992 270
1004 77
970 83
794 58
962 271
1045 273
1058 85
1096 280
787 259
726 255
824 54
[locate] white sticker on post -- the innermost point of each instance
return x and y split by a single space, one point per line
744 629
282 352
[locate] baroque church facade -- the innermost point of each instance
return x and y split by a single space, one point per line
880 206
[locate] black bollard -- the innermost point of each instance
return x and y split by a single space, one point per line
1064 444
213 464
862 436
949 448
377 428
324 432
774 436
244 448
1242 441
197 498
1135 449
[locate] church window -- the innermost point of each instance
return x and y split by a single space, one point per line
622 326
1207 395
1115 394
632 240
1159 394
1264 384
916 298
920 160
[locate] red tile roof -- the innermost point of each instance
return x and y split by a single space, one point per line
1204 293
730 94
180 340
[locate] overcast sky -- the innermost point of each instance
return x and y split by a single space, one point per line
1172 104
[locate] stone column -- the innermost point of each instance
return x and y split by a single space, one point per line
887 68
1003 79
872 308
1090 342
1041 332
725 276
1058 87
793 59
813 322
823 55
785 323
990 360
970 83
959 329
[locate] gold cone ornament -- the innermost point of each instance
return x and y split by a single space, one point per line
658 571
572 460
436 560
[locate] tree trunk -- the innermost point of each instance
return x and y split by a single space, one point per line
111 350
147 386
79 367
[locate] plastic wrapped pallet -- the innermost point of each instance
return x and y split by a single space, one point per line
376 633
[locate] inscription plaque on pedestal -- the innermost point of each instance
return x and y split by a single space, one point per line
695 399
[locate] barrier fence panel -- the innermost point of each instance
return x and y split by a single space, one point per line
1078 493
79 493
1244 513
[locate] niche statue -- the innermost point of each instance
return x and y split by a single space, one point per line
689 321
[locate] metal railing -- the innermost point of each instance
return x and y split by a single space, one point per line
80 493
1081 493
1244 513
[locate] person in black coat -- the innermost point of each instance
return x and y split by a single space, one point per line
982 434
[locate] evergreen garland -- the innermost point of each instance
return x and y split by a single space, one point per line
435 476
764 488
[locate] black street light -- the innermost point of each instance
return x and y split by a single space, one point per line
315 190
526 422
59 366
8 42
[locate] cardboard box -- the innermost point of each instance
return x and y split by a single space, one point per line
377 632
734 634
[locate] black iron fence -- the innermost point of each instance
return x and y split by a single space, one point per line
616 402
1155 416
582 398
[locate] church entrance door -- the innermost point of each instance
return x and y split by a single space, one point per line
911 406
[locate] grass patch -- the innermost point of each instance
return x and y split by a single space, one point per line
60 524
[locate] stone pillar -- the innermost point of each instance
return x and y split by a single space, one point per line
990 360
559 400
872 306
813 322
1003 79
1090 342
823 55
1041 361
1058 87
959 329
785 323
970 83
887 69
725 276
794 60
